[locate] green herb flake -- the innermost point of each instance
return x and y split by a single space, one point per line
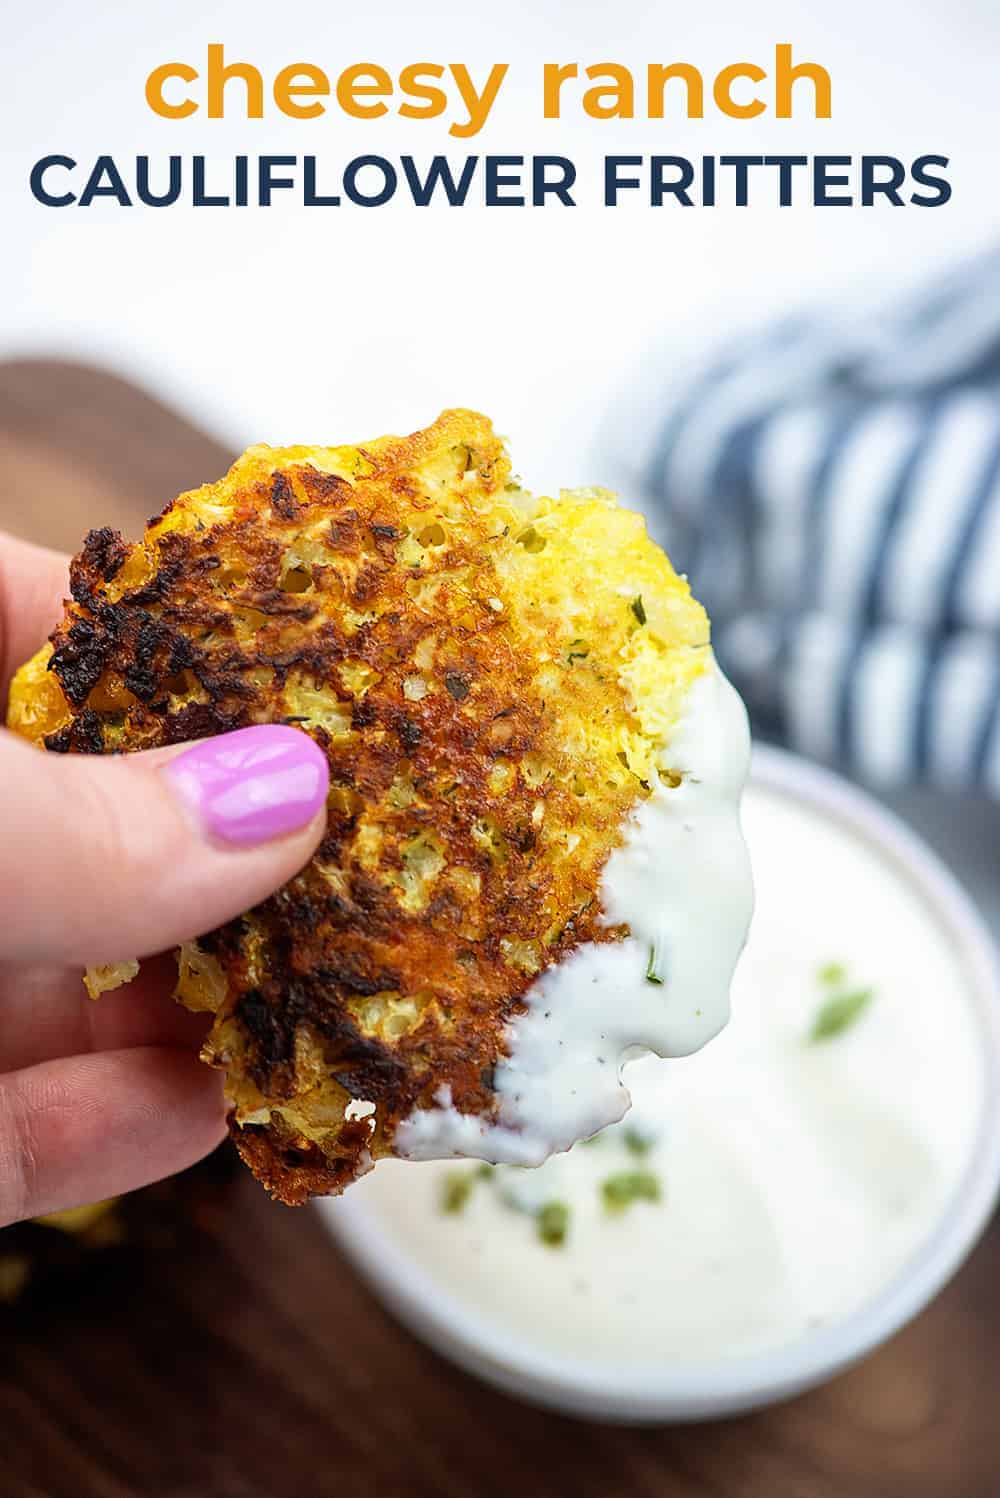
553 1223
484 1172
638 609
619 1191
654 967
637 1144
456 1190
839 1012
832 974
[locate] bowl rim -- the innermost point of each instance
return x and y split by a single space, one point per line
647 1394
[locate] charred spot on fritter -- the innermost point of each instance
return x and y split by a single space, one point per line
492 701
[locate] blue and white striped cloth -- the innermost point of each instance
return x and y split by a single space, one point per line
832 487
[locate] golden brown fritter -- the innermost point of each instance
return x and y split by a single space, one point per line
493 678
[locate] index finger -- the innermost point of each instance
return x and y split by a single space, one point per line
34 581
90 1127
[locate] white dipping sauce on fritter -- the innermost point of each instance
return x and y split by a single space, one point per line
681 882
795 1174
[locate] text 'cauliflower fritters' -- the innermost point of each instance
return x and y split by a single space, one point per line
494 678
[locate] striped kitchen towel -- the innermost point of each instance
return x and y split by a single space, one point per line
832 488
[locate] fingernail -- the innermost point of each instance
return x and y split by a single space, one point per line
252 785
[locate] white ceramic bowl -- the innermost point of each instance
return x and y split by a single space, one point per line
673 1393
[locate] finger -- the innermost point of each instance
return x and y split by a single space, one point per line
90 1127
144 1012
47 1013
33 584
106 858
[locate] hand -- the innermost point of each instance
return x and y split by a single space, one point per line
105 859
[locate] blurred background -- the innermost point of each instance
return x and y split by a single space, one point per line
141 349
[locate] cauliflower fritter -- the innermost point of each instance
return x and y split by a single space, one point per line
493 677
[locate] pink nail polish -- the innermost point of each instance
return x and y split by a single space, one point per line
252 785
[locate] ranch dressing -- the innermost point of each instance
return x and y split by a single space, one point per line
681 882
795 1175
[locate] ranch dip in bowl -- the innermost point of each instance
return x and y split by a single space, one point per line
771 1207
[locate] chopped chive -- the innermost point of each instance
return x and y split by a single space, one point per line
832 973
456 1190
553 1223
636 1143
638 609
654 967
628 1186
484 1172
839 1012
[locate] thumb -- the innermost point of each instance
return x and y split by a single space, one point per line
103 859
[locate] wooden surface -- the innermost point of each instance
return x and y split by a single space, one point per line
238 1357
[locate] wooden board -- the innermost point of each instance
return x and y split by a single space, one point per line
241 1358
